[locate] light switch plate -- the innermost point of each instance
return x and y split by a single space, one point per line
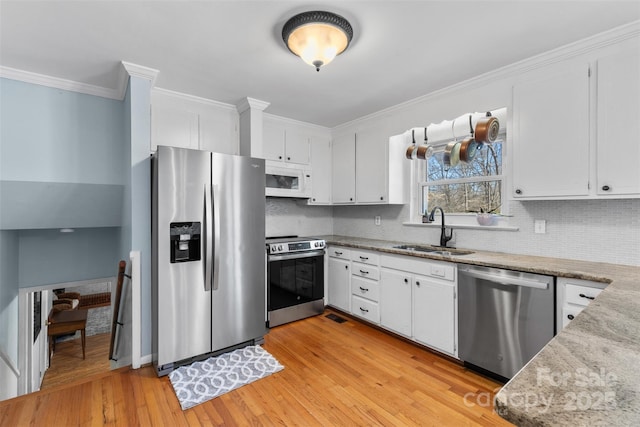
540 226
376 219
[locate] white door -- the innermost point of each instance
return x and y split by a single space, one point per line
395 301
551 134
321 170
339 286
618 151
296 147
434 314
273 142
371 167
343 154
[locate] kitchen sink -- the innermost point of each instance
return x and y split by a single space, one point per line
434 250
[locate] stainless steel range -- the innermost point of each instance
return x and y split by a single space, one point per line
295 278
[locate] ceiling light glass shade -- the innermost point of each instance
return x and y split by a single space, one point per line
317 37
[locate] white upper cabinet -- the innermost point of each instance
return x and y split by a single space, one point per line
371 167
184 121
618 126
575 127
321 170
368 168
174 127
283 142
343 156
551 133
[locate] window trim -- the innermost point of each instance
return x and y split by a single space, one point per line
456 219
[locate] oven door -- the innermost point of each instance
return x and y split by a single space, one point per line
295 278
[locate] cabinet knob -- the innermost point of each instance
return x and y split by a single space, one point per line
351 199
518 191
406 280
314 199
570 317
288 158
606 188
381 197
417 283
280 157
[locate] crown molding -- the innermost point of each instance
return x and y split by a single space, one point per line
193 98
253 103
580 47
58 83
135 70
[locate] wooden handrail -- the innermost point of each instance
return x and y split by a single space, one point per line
122 265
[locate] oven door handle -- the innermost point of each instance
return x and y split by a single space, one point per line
295 255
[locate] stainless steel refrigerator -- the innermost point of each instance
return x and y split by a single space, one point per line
208 266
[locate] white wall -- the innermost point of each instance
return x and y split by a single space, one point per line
8 312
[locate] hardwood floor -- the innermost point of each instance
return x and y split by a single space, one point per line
335 374
67 365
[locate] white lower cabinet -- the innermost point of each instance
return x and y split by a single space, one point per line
410 296
396 307
365 308
365 276
572 296
418 300
339 278
434 314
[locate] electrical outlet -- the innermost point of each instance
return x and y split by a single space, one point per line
540 226
376 219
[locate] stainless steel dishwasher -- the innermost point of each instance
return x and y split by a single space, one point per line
504 318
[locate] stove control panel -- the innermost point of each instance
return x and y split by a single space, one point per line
287 247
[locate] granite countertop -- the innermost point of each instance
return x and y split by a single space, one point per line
588 374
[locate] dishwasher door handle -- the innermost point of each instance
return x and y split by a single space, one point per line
514 281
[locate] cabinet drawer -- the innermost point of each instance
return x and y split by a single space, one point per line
338 252
569 312
365 270
580 295
437 269
365 288
365 257
364 308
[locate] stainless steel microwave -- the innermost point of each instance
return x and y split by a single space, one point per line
287 181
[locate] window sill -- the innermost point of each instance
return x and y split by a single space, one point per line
463 226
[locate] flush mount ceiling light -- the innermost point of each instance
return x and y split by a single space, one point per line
317 37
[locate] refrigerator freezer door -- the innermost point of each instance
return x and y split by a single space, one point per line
239 310
183 303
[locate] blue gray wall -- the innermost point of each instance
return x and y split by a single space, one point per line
63 145
70 145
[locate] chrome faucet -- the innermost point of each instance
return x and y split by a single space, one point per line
443 233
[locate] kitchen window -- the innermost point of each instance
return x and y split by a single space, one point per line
466 187
462 189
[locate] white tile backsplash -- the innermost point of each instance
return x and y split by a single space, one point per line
294 217
590 230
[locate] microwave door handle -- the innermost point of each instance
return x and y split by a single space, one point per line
208 238
216 236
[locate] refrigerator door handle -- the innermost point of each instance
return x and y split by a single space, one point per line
216 235
208 238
